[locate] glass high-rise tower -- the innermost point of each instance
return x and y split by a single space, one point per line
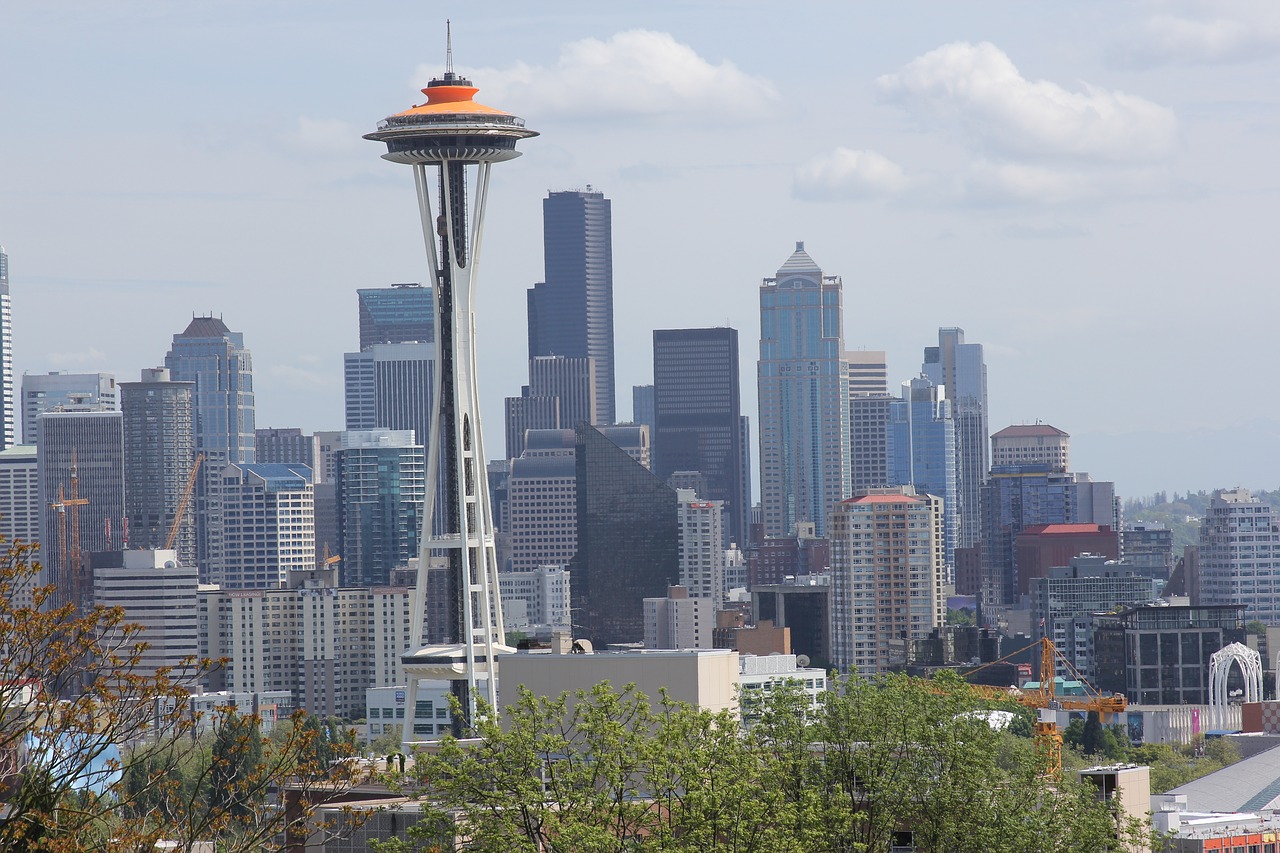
960 369
804 396
571 312
8 414
401 313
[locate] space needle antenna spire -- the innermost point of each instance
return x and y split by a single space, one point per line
452 142
448 48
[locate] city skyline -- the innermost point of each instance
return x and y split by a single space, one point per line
966 217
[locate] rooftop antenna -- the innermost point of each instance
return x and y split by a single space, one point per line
448 48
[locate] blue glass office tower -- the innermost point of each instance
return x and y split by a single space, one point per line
804 396
381 488
571 312
401 313
960 369
8 411
922 451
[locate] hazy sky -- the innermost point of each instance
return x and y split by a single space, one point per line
1090 189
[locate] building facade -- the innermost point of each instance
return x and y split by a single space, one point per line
159 452
959 367
217 361
561 392
543 595
887 576
702 552
8 410
1032 444
401 313
158 592
381 491
20 508
44 392
1240 555
697 415
678 620
804 436
261 526
571 310
922 453
286 446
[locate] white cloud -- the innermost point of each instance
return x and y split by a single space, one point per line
847 173
1222 32
637 72
1001 182
977 88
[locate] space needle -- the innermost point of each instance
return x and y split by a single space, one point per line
461 140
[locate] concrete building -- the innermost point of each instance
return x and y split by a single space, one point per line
869 430
571 310
1159 654
561 392
679 621
8 410
867 372
1149 549
285 446
802 605
324 643
386 707
157 592
159 452
69 392
542 502
704 678
20 508
780 557
1032 444
804 396
541 595
80 458
628 539
959 367
401 313
380 498
261 526
1239 555
887 575
1064 600
760 675
702 554
698 415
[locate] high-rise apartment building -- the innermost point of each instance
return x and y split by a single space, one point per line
8 411
286 446
159 450
697 412
702 552
158 592
922 446
804 396
1240 554
81 470
571 311
870 417
401 313
960 369
542 594
381 482
1032 444
261 526
628 539
20 509
1149 549
887 576
69 392
679 620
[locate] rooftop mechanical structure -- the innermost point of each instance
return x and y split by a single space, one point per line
460 140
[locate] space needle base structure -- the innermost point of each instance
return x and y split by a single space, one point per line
452 141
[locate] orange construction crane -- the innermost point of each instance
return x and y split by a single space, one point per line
69 585
183 502
1047 737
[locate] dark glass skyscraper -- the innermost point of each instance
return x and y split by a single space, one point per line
628 534
571 312
381 482
401 313
959 368
697 414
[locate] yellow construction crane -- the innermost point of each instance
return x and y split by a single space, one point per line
1042 698
183 502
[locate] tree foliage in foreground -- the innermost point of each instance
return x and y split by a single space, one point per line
98 755
605 771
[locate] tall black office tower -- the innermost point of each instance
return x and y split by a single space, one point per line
697 414
571 312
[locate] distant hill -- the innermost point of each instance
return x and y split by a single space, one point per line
1181 513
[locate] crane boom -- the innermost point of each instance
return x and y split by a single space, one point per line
183 502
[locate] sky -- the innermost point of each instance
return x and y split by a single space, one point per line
1089 189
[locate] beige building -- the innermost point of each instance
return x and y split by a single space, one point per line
679 621
324 643
157 592
887 574
1032 444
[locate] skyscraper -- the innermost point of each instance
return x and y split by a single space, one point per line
216 360
390 386
81 470
459 140
381 475
642 406
561 392
698 415
8 414
43 392
628 540
159 450
804 436
959 368
1240 555
571 312
261 526
401 313
922 446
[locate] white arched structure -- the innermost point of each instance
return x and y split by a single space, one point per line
1220 668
